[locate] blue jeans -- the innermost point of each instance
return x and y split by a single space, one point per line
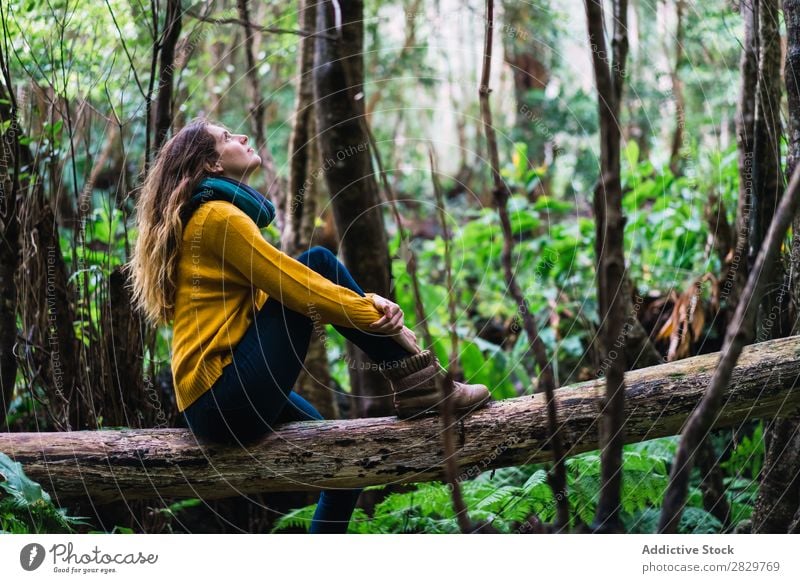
255 392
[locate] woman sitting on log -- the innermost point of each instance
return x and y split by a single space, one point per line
242 311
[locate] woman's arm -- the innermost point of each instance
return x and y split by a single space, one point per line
241 247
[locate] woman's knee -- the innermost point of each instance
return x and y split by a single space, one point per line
274 315
318 258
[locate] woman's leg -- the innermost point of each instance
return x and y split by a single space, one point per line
379 347
335 507
254 390
254 394
246 401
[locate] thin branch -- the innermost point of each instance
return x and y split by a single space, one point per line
166 72
252 25
557 477
125 49
454 366
739 334
444 384
609 254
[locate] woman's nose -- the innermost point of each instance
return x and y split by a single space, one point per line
244 139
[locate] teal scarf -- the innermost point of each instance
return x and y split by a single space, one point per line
254 204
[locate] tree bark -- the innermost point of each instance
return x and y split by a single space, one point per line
303 134
715 500
314 382
677 91
300 211
131 464
639 349
339 96
771 321
609 77
738 265
779 491
9 243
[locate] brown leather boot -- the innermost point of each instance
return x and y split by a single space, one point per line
413 384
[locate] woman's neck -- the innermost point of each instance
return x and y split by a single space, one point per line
241 180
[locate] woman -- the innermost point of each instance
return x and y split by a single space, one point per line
242 312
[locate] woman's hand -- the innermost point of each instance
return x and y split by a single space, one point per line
408 340
392 320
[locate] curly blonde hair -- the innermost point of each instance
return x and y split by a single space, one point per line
177 170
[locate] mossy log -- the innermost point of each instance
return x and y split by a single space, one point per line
112 465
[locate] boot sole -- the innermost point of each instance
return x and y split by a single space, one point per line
406 414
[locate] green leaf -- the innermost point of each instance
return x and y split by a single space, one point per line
18 484
632 153
548 203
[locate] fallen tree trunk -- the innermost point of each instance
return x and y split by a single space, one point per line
133 464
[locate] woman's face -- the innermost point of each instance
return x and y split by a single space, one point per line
237 160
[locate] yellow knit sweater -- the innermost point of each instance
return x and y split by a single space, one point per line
226 271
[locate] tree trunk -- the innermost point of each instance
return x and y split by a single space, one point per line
338 92
108 465
677 90
51 358
639 350
739 264
715 500
779 491
9 246
772 321
557 477
737 336
609 252
529 59
314 382
166 72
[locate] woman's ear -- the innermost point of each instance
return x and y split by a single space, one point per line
215 168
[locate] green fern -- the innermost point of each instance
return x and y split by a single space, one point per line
26 508
298 518
508 496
